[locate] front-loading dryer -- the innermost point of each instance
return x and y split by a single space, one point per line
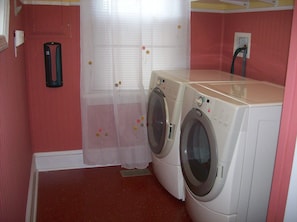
163 118
228 143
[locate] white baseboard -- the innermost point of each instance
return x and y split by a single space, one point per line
61 160
32 193
50 161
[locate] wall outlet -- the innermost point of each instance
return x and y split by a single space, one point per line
240 40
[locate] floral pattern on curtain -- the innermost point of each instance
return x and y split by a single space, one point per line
122 41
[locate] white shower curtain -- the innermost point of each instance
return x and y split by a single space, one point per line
122 41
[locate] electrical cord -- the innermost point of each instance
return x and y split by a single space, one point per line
238 50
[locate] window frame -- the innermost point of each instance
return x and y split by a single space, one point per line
4 23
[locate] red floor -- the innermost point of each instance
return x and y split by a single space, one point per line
102 194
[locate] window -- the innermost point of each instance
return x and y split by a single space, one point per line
133 37
158 9
4 24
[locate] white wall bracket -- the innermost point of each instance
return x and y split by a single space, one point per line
242 39
245 3
273 2
18 40
17 8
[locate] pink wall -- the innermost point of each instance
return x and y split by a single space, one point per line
54 112
269 47
15 145
212 40
287 138
206 40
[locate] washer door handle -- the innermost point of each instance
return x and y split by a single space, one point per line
171 131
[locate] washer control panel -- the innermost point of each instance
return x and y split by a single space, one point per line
172 89
160 81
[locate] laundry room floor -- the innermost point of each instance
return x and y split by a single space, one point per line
102 194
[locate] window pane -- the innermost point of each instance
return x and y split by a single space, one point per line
4 24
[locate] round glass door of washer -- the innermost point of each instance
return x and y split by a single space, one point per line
198 152
157 118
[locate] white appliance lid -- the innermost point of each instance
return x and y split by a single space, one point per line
256 92
201 75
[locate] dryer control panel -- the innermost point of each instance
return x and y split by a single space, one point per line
200 101
171 89
220 109
203 102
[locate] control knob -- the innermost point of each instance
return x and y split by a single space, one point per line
158 82
200 101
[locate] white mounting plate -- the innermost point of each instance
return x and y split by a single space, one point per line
241 39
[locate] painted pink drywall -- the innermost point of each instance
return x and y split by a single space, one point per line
212 38
206 40
54 112
15 145
270 33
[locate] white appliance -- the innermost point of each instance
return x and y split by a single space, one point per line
163 116
228 144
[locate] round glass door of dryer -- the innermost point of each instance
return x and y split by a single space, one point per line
198 152
157 118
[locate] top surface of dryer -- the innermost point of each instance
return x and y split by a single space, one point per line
253 93
188 76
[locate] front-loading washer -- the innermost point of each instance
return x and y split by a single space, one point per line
228 144
163 118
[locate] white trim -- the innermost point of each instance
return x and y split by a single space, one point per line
32 193
280 8
50 161
38 2
61 160
4 24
